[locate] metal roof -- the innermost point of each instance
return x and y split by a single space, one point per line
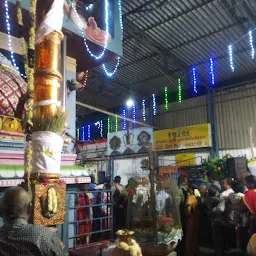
163 39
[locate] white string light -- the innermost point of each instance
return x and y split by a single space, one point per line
134 113
144 110
82 133
194 80
154 104
251 44
89 7
231 61
121 18
212 75
101 129
8 27
84 37
124 119
88 132
110 74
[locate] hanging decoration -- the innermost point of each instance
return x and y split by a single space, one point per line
144 110
154 104
97 57
166 98
110 74
89 7
78 134
101 129
124 119
212 72
88 132
231 60
179 90
194 80
83 137
116 123
85 81
109 125
8 28
251 44
134 113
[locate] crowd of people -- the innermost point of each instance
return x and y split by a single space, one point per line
219 214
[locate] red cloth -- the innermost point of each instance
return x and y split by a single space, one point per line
250 200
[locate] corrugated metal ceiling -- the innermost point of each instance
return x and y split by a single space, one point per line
187 32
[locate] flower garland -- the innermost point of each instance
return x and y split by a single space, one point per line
28 58
134 249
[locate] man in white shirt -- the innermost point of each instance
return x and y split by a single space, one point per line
227 190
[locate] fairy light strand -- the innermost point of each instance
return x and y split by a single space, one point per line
78 134
83 138
124 119
166 98
84 37
212 72
88 132
194 80
101 129
108 73
144 110
251 44
109 125
8 27
134 113
179 90
154 104
116 123
85 81
231 59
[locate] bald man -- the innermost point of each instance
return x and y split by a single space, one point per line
17 237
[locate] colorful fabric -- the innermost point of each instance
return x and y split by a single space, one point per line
172 237
250 200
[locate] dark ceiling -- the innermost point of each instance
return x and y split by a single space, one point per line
163 39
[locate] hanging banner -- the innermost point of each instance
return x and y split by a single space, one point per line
197 136
185 159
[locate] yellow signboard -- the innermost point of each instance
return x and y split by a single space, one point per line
185 159
197 136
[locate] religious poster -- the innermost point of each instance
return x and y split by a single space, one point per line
197 136
135 141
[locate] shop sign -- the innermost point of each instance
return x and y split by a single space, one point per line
185 159
197 136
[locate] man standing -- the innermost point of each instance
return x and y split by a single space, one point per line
17 237
227 190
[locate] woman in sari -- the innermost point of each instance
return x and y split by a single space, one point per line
192 220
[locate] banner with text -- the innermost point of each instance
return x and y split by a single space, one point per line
197 136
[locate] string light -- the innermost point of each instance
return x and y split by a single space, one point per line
144 110
110 74
109 127
251 44
231 61
88 132
116 123
8 27
154 104
194 80
84 37
78 133
134 113
124 119
101 129
179 90
212 71
85 81
166 98
89 7
83 133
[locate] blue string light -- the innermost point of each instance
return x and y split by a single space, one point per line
194 80
144 110
101 129
251 44
124 119
88 132
212 71
83 133
8 27
154 104
110 74
84 37
231 60
134 113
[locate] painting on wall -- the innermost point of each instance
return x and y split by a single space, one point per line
92 170
135 141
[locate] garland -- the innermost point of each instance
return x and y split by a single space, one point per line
28 58
134 249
